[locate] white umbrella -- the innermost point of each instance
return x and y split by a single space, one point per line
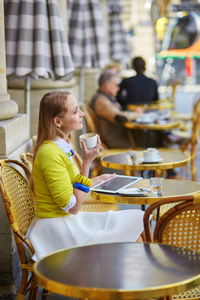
119 48
87 39
36 43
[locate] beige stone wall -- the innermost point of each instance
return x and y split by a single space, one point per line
138 18
144 44
38 89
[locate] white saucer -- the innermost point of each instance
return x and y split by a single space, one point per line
134 191
158 159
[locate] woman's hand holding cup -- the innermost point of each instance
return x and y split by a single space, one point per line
91 144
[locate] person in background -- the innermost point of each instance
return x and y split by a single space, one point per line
60 181
138 89
113 66
109 112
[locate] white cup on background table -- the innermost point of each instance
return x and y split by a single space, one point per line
150 155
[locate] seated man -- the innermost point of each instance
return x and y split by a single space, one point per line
138 89
109 112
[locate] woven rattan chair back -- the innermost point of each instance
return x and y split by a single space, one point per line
92 126
179 226
174 87
27 159
90 118
19 205
92 122
20 198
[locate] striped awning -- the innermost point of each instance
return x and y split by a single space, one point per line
87 39
36 42
119 48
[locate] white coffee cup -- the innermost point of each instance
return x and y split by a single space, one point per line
150 155
156 150
153 149
90 140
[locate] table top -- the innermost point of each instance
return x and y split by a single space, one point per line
171 188
165 125
119 271
171 160
160 104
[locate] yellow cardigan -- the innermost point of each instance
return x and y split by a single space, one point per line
53 174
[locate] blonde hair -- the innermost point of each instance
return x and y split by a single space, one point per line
52 105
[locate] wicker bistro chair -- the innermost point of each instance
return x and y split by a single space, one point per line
93 126
192 140
179 226
27 159
19 204
190 145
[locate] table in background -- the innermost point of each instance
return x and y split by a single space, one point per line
165 106
158 105
153 126
168 125
171 188
171 160
119 271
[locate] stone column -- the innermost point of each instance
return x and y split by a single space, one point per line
14 139
12 134
8 108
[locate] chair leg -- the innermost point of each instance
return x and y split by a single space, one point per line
20 296
33 293
97 168
23 285
45 293
27 286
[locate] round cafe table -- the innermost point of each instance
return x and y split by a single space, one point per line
167 125
119 271
171 188
163 125
161 104
169 160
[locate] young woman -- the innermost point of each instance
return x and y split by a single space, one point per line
60 183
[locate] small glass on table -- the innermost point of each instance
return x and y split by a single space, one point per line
156 184
131 157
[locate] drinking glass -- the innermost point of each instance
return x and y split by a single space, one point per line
156 184
131 157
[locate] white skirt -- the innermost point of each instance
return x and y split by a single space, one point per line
51 234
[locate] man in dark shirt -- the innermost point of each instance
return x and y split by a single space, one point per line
138 89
